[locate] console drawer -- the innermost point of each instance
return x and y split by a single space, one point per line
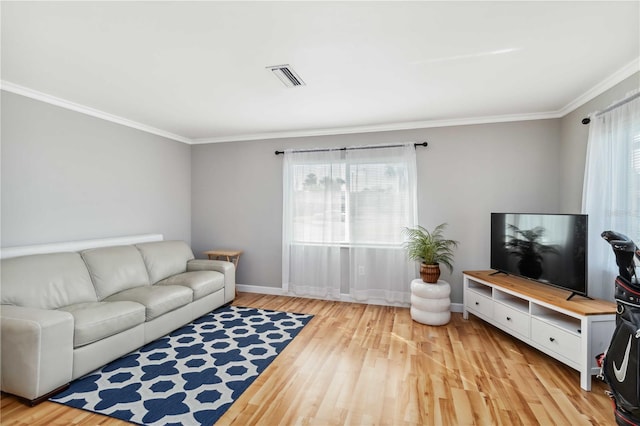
479 303
555 339
513 319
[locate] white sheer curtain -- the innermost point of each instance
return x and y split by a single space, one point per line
611 195
313 225
382 202
344 211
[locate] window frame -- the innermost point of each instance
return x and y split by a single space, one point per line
346 204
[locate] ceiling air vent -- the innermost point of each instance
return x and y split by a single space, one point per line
286 75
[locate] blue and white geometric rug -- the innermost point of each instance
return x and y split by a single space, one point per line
193 375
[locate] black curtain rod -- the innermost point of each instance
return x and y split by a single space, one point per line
587 120
415 145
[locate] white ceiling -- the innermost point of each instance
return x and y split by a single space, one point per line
195 71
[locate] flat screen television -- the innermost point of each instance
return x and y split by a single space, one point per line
548 248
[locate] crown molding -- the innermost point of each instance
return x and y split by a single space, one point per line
617 77
380 128
53 100
625 72
606 84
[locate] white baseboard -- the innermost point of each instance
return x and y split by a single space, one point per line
457 307
275 291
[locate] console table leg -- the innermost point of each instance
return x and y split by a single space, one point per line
585 380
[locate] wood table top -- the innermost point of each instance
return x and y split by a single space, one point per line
546 293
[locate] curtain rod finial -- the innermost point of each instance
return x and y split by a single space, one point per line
586 120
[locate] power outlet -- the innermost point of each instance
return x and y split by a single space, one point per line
361 270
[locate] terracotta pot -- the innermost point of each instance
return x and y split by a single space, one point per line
429 273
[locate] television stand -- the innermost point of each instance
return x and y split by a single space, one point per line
571 331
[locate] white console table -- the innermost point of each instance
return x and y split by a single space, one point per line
571 331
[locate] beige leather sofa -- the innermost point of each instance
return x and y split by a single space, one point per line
66 314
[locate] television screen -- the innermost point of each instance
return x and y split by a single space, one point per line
550 248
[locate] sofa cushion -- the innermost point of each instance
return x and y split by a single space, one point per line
157 300
98 320
114 269
165 258
202 283
46 281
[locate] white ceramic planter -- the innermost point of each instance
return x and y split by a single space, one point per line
430 303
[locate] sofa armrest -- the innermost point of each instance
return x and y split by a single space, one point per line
226 268
36 350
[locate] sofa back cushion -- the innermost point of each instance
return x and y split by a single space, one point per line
46 281
114 269
165 258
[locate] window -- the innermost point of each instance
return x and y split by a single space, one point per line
635 155
350 203
611 195
344 213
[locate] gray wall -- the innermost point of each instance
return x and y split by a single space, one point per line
68 176
574 136
465 173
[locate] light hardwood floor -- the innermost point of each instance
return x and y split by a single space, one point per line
372 365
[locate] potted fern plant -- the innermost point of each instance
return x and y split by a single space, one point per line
431 249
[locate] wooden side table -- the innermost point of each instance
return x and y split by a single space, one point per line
232 256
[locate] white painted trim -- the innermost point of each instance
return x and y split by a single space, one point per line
625 72
8 252
63 103
457 307
606 84
277 291
345 298
247 288
381 128
377 302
